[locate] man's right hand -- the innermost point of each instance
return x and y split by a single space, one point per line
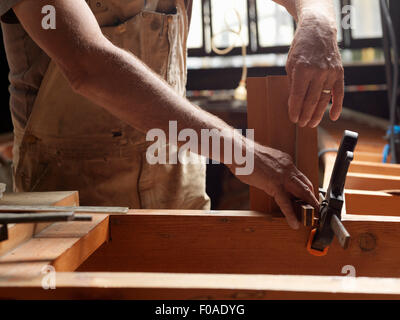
275 173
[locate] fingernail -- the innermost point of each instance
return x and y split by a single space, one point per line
302 124
294 120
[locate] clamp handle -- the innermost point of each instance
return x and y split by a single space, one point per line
341 166
331 207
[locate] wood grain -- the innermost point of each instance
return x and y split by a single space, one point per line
267 114
307 155
167 286
372 182
65 245
375 168
244 243
372 203
368 156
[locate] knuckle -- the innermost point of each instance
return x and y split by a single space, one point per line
339 71
307 189
303 65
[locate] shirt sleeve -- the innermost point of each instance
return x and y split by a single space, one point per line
6 13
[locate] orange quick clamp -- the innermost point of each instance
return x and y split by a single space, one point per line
313 251
329 218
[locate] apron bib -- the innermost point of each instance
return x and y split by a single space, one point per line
70 143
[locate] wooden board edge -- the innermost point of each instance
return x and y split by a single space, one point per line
145 286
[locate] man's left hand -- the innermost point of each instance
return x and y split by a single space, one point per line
315 71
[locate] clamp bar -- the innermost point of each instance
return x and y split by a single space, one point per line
330 223
340 231
9 218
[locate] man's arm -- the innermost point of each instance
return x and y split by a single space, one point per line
314 63
122 84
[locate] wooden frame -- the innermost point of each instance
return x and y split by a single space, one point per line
256 249
178 254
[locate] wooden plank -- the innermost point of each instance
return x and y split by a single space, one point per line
373 182
81 209
65 245
20 233
368 156
169 286
372 203
375 168
241 242
267 114
307 155
329 162
55 198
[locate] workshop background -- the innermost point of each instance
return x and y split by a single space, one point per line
263 31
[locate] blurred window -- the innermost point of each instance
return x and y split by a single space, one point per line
195 39
367 19
224 17
275 24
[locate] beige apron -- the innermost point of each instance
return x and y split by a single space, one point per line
70 143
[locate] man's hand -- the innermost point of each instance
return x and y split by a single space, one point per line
314 65
275 174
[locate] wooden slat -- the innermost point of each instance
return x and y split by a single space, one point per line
372 203
328 168
368 156
55 198
241 242
267 109
20 233
65 245
80 209
375 168
373 182
167 286
307 155
267 98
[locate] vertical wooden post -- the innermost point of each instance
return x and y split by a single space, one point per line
307 155
267 113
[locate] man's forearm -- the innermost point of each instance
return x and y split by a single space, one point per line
298 7
122 84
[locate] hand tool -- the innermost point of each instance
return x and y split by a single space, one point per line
34 214
328 222
8 218
80 209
